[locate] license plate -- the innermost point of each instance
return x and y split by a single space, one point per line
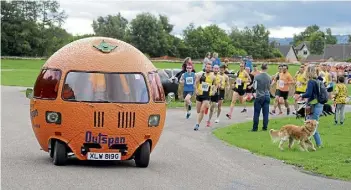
103 156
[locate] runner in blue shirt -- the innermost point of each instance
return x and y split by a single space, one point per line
188 79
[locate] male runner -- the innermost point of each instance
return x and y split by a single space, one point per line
214 98
249 89
275 80
300 85
285 79
204 83
188 79
225 85
242 79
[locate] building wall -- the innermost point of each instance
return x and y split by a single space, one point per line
290 56
300 53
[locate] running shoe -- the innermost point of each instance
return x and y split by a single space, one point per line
188 115
208 124
244 110
217 121
229 116
196 127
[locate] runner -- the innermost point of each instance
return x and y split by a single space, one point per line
275 80
215 89
204 83
225 86
255 70
249 90
188 79
301 85
325 74
242 79
285 79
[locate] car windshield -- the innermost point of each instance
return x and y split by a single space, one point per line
105 87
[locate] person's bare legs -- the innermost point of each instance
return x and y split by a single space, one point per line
234 98
200 107
287 106
219 109
295 103
212 106
198 111
187 104
242 100
275 105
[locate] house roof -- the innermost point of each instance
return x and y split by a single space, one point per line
301 45
314 57
284 49
337 52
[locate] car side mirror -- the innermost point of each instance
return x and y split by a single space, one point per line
170 97
29 93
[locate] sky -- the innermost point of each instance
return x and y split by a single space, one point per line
282 18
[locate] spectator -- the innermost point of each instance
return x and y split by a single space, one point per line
262 84
312 91
248 63
340 100
216 61
207 60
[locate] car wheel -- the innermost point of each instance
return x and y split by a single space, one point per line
142 157
60 153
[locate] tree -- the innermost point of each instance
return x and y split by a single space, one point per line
330 39
32 28
148 35
255 41
111 26
349 38
317 40
316 37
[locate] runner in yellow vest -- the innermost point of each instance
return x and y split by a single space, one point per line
300 84
215 97
242 79
204 82
225 86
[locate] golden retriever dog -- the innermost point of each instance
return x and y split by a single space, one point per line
293 132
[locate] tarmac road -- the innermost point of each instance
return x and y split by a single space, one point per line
183 159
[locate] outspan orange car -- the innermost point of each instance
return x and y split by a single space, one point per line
98 98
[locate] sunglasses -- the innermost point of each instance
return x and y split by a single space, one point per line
189 68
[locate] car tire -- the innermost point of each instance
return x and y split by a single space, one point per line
142 156
60 153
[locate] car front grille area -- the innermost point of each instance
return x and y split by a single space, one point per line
126 120
99 118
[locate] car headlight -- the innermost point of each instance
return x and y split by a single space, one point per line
154 120
53 117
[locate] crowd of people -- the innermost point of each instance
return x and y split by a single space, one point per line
210 85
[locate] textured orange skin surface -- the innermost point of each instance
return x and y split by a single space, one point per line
78 117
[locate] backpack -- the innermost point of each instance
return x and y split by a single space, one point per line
322 96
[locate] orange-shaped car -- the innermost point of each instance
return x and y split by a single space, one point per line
98 99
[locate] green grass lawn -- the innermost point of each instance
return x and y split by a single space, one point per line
332 160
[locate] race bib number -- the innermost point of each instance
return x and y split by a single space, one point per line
281 84
238 81
189 80
204 87
299 84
